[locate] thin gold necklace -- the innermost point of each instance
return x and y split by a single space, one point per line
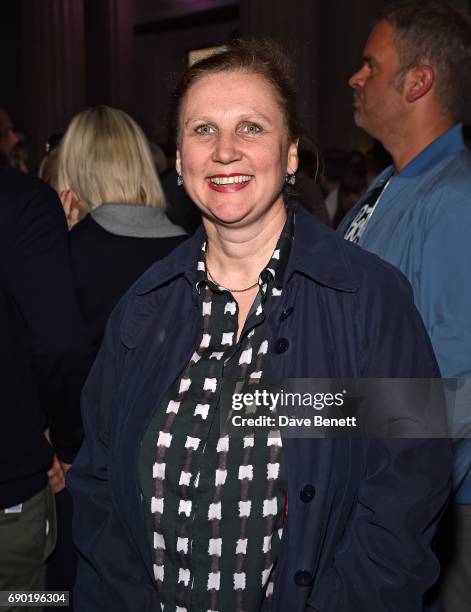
226 288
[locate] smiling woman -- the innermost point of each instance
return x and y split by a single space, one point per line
171 512
234 151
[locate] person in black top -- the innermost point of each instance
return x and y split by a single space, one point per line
44 358
106 170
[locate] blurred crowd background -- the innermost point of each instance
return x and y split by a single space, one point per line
58 57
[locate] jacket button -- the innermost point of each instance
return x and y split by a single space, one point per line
281 345
285 314
303 578
307 493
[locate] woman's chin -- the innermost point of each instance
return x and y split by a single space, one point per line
227 214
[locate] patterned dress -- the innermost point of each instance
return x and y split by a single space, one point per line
215 503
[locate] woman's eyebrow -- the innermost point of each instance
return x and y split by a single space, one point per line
245 117
197 118
254 114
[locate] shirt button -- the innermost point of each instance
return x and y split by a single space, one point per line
307 493
281 345
285 314
303 578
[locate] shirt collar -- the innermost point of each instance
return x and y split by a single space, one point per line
448 143
278 263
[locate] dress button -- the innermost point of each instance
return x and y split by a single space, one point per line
307 493
281 345
303 578
285 314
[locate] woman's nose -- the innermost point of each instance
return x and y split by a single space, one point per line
226 149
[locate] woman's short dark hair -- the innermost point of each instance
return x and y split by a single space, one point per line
434 32
263 58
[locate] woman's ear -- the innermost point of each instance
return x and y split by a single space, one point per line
74 209
293 159
178 162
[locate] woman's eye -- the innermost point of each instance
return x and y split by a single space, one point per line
204 130
251 128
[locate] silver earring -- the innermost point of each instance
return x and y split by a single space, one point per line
179 180
290 179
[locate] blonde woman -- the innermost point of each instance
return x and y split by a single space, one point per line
114 202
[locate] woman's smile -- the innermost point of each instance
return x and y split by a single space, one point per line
228 183
233 139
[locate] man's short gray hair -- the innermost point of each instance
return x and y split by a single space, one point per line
432 32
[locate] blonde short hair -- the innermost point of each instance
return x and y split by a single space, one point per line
105 157
48 169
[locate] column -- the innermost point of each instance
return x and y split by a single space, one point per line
295 26
109 37
53 68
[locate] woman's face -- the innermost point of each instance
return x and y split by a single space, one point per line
234 149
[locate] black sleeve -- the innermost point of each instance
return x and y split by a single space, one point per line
40 283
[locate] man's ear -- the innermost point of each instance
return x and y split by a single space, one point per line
293 159
178 162
419 81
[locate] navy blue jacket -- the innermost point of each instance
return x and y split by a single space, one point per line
362 542
44 352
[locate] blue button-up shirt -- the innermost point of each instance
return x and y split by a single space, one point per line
422 225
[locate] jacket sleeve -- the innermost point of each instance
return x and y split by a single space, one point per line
110 574
40 283
384 560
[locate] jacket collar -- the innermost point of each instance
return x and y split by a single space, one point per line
181 262
321 254
317 252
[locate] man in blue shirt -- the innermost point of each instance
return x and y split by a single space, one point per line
410 94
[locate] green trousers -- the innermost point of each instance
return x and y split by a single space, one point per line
27 538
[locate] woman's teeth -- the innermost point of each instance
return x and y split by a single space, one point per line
230 180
